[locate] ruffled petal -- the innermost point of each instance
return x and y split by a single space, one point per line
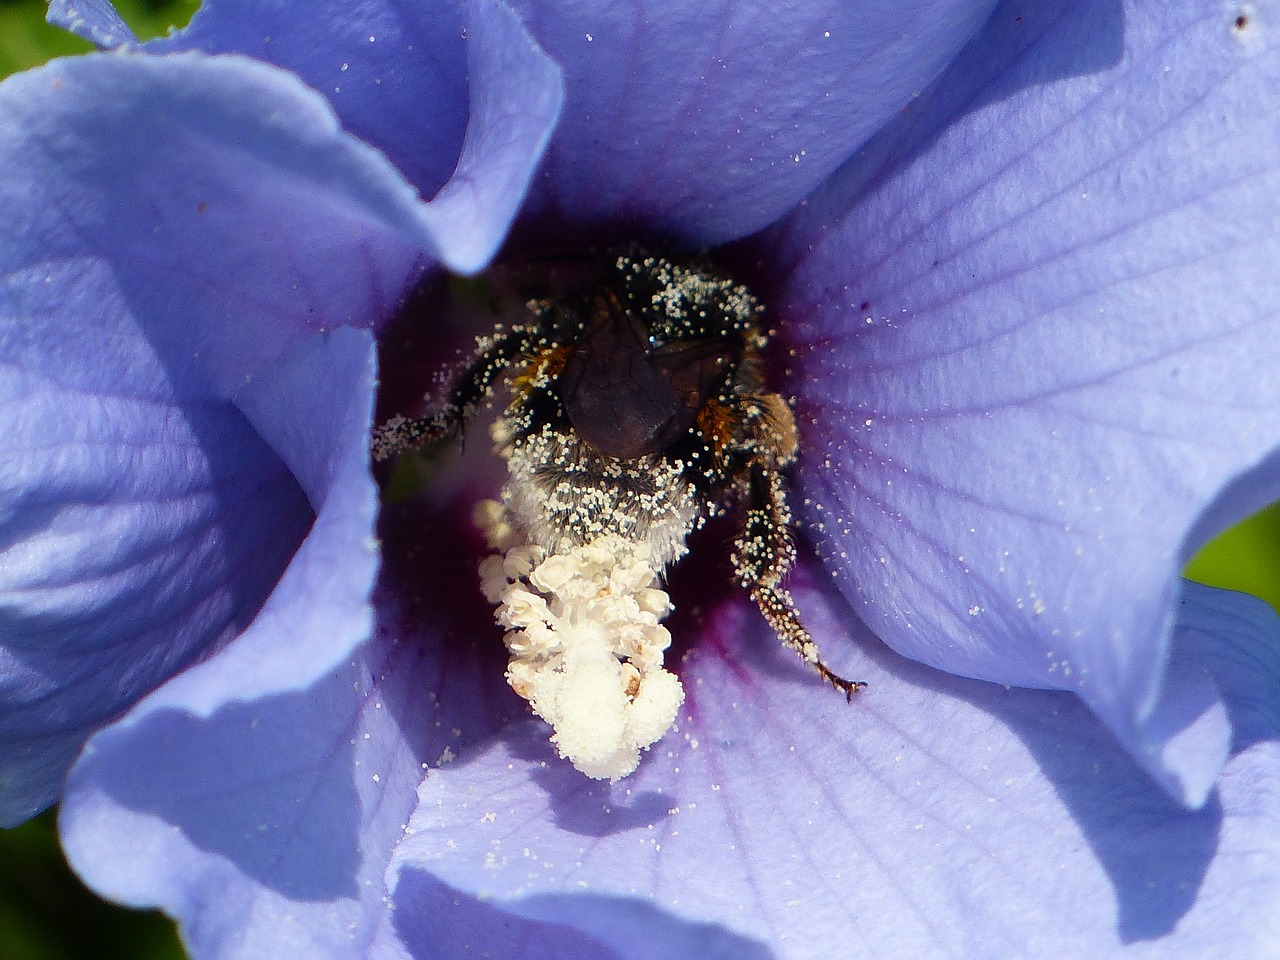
707 121
932 817
258 803
176 226
256 796
1035 327
455 94
95 20
516 93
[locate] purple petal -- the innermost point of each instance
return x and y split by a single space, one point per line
707 121
140 529
262 815
185 223
516 92
95 20
254 796
934 816
1036 327
456 95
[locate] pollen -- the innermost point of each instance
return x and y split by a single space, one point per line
586 642
544 366
716 424
638 408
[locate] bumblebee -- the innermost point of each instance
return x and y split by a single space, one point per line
638 409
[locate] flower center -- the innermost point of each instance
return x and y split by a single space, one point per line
638 409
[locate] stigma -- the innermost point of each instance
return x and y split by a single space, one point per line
586 641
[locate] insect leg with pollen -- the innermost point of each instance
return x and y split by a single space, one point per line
494 355
763 552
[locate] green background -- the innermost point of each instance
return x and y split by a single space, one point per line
45 913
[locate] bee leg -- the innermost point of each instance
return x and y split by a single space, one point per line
762 555
493 354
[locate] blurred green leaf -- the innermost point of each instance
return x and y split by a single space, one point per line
1245 558
26 40
47 914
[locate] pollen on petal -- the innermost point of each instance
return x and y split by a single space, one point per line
586 645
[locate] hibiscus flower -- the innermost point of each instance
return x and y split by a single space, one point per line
1020 263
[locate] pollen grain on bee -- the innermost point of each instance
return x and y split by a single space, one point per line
638 409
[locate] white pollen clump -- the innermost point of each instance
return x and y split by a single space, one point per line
586 643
